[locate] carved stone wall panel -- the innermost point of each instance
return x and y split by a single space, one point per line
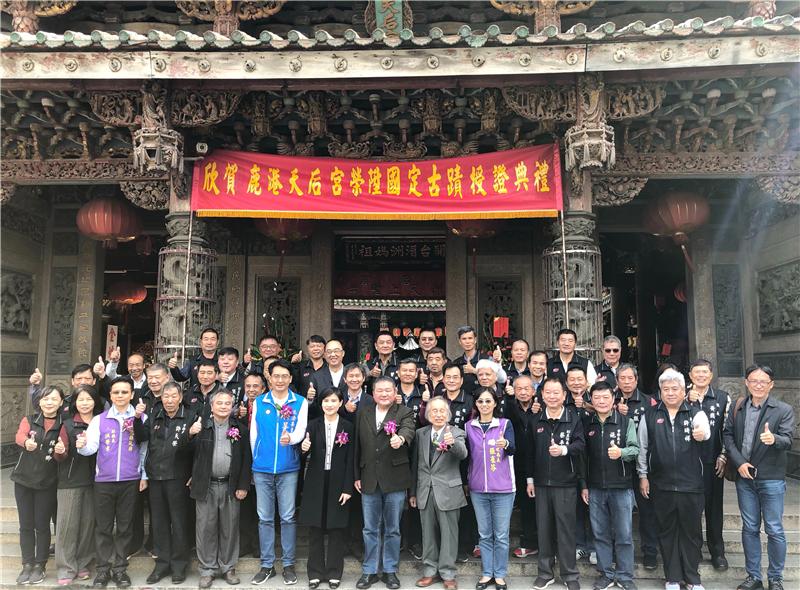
24 222
17 364
235 301
16 300
278 309
779 299
785 364
217 318
726 285
499 297
67 243
61 316
6 192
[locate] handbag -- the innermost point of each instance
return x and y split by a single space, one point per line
730 471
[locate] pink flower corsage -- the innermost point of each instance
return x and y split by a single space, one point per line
233 434
443 446
127 425
342 438
286 412
390 427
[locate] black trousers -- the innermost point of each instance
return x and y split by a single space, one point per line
114 502
528 537
324 565
169 513
248 525
137 536
680 533
713 509
648 533
35 509
467 528
555 517
411 528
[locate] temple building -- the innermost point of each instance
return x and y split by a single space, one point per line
676 125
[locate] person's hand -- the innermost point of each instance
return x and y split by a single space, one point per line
115 355
297 357
579 401
744 470
284 440
194 430
173 361
305 446
422 376
247 357
448 437
536 406
30 442
350 406
622 407
697 434
767 437
554 449
585 496
694 395
223 377
311 393
468 368
531 491
99 368
644 487
142 485
240 494
719 466
60 449
412 501
426 395
242 410
80 440
501 442
140 408
497 354
343 499
189 482
398 399
36 377
375 371
396 441
357 485
614 452
509 389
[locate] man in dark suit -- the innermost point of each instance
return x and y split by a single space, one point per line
328 375
382 476
436 459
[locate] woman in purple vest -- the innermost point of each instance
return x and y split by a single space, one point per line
490 440
35 477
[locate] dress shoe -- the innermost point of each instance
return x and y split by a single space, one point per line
178 578
484 585
750 583
391 580
720 563
650 562
25 575
231 577
426 581
102 579
206 581
37 574
367 580
450 585
502 586
334 584
156 576
122 580
313 584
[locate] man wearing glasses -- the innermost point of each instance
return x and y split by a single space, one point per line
758 435
330 374
607 370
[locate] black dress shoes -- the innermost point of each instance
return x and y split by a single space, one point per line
367 580
391 581
484 585
156 576
720 563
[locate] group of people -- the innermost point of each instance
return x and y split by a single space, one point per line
423 453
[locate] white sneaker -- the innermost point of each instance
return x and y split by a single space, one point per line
672 586
580 554
695 587
593 558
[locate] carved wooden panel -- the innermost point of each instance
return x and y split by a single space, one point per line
778 297
728 320
16 295
278 310
499 297
61 319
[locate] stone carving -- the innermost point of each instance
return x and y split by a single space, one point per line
24 222
120 109
113 170
191 108
542 103
67 243
25 13
612 191
17 364
217 317
178 228
7 190
590 142
152 195
16 296
728 320
277 309
785 364
226 14
61 316
785 188
631 101
156 147
576 226
779 299
499 297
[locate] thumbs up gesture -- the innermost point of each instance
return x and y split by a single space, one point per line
195 428
80 440
422 376
173 362
468 368
59 448
448 438
99 368
554 449
140 408
30 442
242 410
622 407
306 443
536 406
284 440
497 355
312 392
614 452
697 434
36 377
509 389
426 394
115 355
297 357
767 437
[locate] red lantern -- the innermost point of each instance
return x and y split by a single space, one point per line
396 332
438 332
127 293
109 220
677 214
680 292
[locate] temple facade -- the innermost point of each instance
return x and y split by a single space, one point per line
677 124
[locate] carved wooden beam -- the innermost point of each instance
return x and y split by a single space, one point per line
25 13
612 191
226 14
100 171
785 189
150 194
705 164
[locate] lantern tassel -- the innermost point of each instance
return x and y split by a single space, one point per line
688 258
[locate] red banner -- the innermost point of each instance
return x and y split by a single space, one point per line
514 183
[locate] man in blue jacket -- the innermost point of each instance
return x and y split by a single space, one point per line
277 428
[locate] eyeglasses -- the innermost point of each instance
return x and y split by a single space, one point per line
758 383
484 401
612 349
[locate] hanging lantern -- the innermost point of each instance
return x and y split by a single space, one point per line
109 220
438 332
473 230
396 332
677 214
127 293
285 231
680 292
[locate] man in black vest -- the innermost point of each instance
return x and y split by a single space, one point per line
671 472
612 448
714 402
209 340
612 351
559 364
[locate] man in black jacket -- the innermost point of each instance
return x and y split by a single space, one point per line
758 435
554 468
209 341
714 402
220 480
566 357
169 466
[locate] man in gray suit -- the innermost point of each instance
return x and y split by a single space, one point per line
437 491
